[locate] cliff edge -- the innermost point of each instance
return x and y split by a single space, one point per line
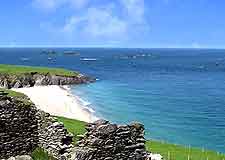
12 76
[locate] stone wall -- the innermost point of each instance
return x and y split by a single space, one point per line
18 127
105 141
23 128
53 137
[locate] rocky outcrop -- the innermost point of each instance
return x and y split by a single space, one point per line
34 78
105 141
23 128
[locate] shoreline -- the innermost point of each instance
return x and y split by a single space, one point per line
58 101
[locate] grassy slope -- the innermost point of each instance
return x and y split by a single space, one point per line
177 152
74 126
13 93
14 69
168 151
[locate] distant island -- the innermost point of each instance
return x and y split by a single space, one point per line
53 53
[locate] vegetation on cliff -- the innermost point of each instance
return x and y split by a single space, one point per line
19 98
18 70
12 76
168 151
12 93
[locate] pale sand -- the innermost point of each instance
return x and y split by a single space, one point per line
57 101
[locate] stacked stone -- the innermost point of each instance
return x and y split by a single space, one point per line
105 141
53 136
18 127
23 128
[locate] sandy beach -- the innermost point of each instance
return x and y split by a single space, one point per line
58 101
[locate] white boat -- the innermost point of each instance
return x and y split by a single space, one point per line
88 59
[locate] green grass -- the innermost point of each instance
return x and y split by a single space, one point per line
17 70
178 152
73 126
168 151
13 93
40 154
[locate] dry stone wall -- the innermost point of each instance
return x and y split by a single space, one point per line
23 128
105 141
53 136
18 127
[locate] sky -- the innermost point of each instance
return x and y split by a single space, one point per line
113 23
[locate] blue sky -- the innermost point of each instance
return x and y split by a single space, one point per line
113 23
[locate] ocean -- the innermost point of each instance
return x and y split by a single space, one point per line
178 94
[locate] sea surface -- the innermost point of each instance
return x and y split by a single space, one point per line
179 94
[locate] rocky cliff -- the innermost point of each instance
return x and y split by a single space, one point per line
33 78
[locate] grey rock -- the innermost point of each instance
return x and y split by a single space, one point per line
105 141
24 157
31 79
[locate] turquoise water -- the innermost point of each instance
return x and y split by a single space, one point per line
179 94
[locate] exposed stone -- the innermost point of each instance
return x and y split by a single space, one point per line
105 141
24 128
23 157
18 127
36 79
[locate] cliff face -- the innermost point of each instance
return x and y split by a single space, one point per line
23 128
32 79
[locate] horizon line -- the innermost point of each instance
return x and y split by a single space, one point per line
104 47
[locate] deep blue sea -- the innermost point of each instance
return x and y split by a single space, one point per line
179 94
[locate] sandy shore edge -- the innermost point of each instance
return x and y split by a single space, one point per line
58 101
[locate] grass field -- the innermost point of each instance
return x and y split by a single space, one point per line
168 151
17 70
178 152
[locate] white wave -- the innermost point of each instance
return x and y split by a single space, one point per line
85 104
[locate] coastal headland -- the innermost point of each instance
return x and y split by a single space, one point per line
12 76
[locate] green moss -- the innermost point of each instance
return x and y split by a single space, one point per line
41 154
168 151
18 70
